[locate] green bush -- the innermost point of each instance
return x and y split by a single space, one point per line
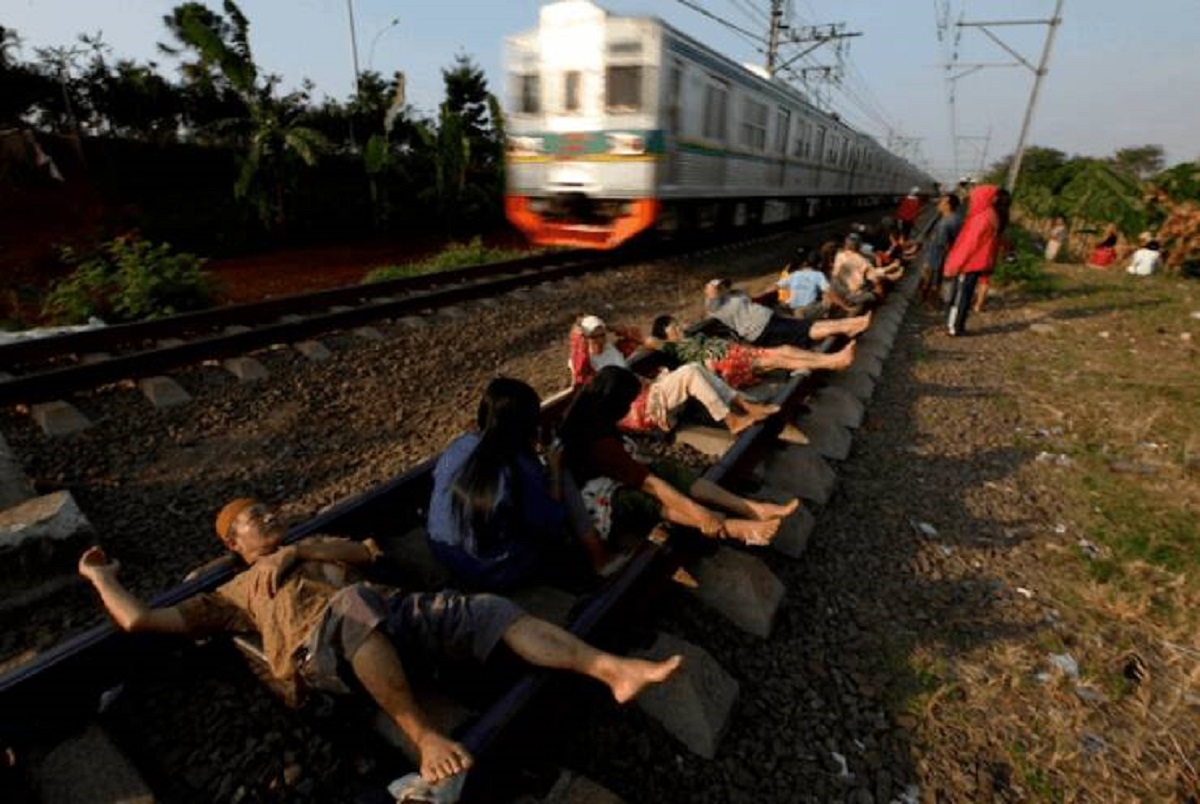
455 255
128 279
1027 264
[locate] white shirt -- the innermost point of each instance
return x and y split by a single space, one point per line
1145 261
609 356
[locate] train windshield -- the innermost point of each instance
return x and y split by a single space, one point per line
623 89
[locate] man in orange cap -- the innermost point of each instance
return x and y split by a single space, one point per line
314 612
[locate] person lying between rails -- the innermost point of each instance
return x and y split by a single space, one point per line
313 612
497 516
659 399
735 363
758 325
626 498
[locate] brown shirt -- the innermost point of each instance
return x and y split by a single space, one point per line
285 620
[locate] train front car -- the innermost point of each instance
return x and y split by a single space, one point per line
583 145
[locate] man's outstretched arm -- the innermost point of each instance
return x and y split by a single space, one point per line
128 610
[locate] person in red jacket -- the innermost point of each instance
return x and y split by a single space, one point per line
974 253
907 212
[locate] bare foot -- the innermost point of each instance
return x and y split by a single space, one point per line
768 510
441 757
842 358
759 410
737 422
857 326
628 677
752 532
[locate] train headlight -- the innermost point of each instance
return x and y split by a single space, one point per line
622 144
526 146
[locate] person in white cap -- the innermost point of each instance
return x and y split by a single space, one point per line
660 399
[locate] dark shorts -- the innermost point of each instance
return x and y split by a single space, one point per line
635 512
426 627
782 331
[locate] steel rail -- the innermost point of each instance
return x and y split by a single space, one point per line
137 333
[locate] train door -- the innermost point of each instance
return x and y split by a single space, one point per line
716 129
783 126
674 122
819 157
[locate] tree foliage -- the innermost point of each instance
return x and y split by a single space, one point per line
1141 161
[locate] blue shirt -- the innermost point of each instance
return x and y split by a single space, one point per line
524 521
806 286
944 234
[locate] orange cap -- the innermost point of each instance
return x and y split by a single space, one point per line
229 513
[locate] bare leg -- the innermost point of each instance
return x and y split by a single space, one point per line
708 492
840 326
792 358
545 645
378 668
758 410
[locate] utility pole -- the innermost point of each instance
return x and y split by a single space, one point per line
777 25
357 76
1014 170
1039 73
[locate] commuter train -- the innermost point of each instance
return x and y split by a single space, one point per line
620 125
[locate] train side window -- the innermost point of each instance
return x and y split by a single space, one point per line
675 96
753 134
571 84
528 91
624 88
716 100
783 125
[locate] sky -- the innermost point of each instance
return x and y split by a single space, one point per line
1120 73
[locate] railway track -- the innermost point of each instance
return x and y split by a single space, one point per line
60 689
40 369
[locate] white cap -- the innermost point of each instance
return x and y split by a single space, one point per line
915 191
589 324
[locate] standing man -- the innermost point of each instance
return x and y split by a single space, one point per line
945 231
973 253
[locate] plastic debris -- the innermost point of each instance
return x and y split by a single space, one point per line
1021 590
911 795
1089 548
1066 663
843 768
1093 743
415 790
1055 458
1090 695
1060 529
923 528
1196 315
1104 334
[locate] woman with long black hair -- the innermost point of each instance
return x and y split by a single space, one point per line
626 498
496 515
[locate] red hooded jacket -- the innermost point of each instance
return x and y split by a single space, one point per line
978 243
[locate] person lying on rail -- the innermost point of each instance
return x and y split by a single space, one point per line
626 498
497 516
856 283
660 398
757 324
314 613
737 363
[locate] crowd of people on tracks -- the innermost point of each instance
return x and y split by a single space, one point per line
509 508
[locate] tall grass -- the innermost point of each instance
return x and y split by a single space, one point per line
455 255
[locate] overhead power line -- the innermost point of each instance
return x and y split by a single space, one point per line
699 9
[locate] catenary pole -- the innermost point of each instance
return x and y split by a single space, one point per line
773 36
1014 169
